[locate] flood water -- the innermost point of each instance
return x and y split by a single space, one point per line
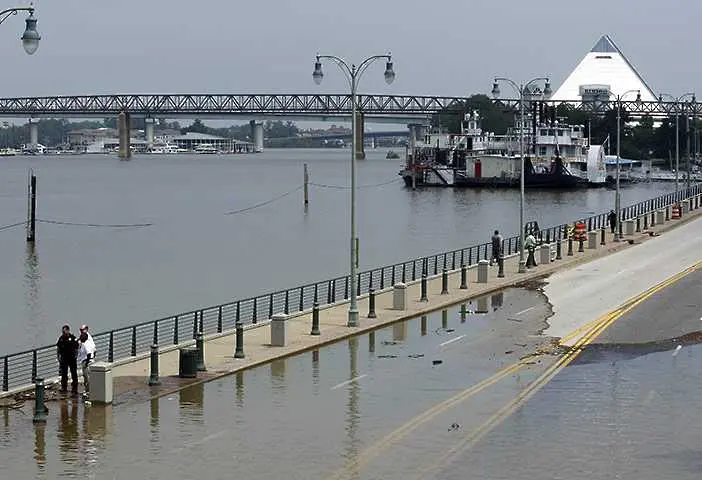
195 255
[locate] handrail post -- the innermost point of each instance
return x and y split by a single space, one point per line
111 347
134 341
153 377
5 374
219 319
315 320
239 345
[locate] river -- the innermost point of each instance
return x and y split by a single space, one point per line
195 254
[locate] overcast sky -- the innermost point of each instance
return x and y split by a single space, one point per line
442 47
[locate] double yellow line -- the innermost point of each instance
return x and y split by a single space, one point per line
591 329
595 330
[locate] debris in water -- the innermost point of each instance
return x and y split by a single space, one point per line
514 320
449 330
386 356
437 362
415 355
677 350
509 351
388 342
453 427
521 344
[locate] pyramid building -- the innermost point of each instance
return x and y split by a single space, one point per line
603 69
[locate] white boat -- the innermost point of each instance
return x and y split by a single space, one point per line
206 149
7 152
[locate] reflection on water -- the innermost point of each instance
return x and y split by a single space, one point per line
444 319
68 430
496 300
399 332
482 305
371 342
239 388
423 326
32 276
191 401
352 441
40 445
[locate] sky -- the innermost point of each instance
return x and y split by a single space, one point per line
442 47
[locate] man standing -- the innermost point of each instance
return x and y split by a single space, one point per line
86 352
612 219
66 352
84 329
496 247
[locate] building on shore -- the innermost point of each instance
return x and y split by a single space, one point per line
202 142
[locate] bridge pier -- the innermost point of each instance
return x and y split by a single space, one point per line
125 150
360 148
257 135
33 134
149 132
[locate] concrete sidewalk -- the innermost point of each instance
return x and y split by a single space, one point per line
130 377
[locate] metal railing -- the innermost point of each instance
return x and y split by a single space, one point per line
21 369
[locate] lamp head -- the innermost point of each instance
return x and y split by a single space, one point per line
547 89
389 72
638 97
495 89
318 74
30 37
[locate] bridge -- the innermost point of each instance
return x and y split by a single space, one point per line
396 108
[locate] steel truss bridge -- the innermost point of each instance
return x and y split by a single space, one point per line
298 105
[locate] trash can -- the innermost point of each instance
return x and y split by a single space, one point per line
187 365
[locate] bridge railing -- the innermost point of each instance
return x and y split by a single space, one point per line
21 369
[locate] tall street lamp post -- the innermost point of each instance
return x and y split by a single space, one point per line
676 101
617 195
30 38
522 90
353 74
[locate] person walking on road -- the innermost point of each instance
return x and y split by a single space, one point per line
66 353
86 353
612 219
530 245
496 247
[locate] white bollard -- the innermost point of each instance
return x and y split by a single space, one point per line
100 375
399 296
483 271
279 329
685 206
545 254
592 242
629 227
660 217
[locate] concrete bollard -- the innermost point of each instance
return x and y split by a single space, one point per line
570 247
423 285
660 217
101 383
629 228
239 340
464 277
39 405
371 305
399 296
544 254
685 207
279 330
153 376
592 242
483 271
667 213
501 266
444 282
200 345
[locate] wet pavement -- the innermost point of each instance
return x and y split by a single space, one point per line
408 401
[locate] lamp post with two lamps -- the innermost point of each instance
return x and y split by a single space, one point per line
523 90
676 101
617 195
353 74
30 38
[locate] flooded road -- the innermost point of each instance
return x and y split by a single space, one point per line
414 400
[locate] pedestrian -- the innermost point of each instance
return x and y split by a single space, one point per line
86 353
612 219
496 247
530 245
66 353
84 328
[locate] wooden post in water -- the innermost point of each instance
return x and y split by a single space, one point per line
306 186
32 210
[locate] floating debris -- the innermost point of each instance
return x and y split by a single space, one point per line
677 350
449 330
514 320
521 344
437 362
454 427
389 342
509 351
415 355
386 356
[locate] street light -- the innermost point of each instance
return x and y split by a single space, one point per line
617 195
677 101
30 38
353 75
522 89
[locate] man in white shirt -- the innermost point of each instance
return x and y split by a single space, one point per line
86 354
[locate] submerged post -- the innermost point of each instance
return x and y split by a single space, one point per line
239 345
200 345
39 406
306 186
371 303
444 282
153 377
32 213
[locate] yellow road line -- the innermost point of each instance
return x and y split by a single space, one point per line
600 326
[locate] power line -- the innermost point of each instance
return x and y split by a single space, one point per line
267 202
345 187
7 227
99 225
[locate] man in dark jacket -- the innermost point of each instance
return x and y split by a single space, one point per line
496 247
66 351
612 219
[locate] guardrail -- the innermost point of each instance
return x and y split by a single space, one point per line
21 369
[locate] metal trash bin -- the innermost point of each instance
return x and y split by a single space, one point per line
187 365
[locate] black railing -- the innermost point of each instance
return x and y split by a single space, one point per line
20 369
